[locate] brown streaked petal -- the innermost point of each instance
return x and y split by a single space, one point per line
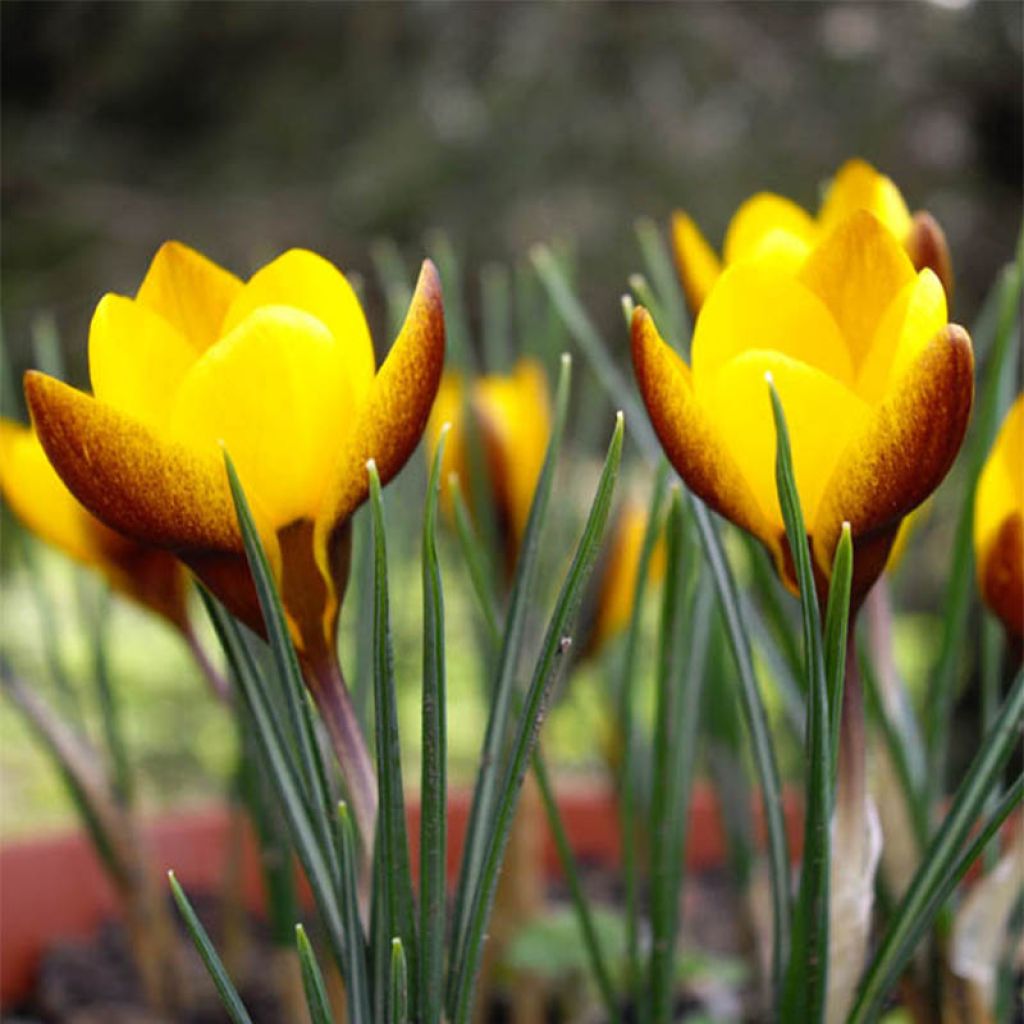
154 492
900 457
1001 574
926 246
688 435
395 414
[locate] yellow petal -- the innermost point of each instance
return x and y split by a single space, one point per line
758 307
899 457
1001 483
857 271
190 292
39 498
858 186
688 434
515 415
696 262
393 418
152 491
907 327
306 281
136 359
274 393
821 415
762 216
1001 574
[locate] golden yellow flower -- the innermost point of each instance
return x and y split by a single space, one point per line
999 524
769 224
876 385
280 371
511 416
153 578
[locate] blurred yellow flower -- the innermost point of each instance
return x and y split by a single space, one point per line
38 497
769 224
511 416
876 385
617 574
999 524
280 371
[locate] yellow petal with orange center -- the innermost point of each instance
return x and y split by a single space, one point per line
762 216
857 271
697 263
821 413
306 281
191 292
759 307
274 392
39 498
858 186
136 360
912 320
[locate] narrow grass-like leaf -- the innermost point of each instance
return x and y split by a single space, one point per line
616 385
552 657
433 766
960 586
476 561
645 297
398 1004
362 574
570 868
769 591
392 840
762 747
662 273
482 808
629 823
837 622
284 773
931 882
285 660
807 975
353 963
312 980
225 988
682 645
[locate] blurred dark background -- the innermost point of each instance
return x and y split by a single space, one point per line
244 128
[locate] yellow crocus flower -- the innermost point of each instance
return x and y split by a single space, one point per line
511 414
877 388
38 497
771 224
280 372
999 524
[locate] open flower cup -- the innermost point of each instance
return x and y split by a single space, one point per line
278 371
876 385
769 223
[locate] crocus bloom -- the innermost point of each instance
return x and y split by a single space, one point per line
999 524
280 371
153 578
876 386
511 417
771 224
